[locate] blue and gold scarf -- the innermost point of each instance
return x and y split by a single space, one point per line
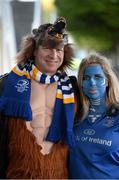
15 100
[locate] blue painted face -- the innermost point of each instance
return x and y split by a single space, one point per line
94 82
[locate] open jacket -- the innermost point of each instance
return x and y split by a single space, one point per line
4 129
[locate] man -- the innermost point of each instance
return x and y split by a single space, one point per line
37 107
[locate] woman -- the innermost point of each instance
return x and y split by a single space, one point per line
96 154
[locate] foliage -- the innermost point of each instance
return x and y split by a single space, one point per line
93 23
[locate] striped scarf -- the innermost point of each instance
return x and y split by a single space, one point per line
15 101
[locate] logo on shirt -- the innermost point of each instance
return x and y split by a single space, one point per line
108 122
22 85
89 131
92 140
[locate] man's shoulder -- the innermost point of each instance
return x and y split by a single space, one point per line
73 80
74 83
2 82
3 76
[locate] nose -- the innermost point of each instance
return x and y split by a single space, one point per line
54 53
92 81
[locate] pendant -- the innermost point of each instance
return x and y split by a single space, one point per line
94 119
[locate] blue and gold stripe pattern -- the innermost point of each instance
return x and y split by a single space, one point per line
15 100
64 90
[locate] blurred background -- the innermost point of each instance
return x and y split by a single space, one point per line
93 25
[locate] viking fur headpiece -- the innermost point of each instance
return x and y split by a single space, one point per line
51 34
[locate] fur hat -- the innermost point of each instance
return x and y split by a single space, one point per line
51 34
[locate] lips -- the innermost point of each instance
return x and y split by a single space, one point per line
92 91
48 61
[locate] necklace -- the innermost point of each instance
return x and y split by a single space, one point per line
93 114
94 117
96 109
95 102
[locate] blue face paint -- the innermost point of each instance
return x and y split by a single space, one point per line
94 82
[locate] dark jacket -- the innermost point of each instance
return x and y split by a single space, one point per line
3 136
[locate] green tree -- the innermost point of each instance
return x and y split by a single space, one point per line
93 23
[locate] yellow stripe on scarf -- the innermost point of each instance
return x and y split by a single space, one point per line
18 72
59 96
35 72
66 100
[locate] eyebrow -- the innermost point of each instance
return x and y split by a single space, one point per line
93 74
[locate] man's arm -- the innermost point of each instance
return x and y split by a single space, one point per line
4 124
